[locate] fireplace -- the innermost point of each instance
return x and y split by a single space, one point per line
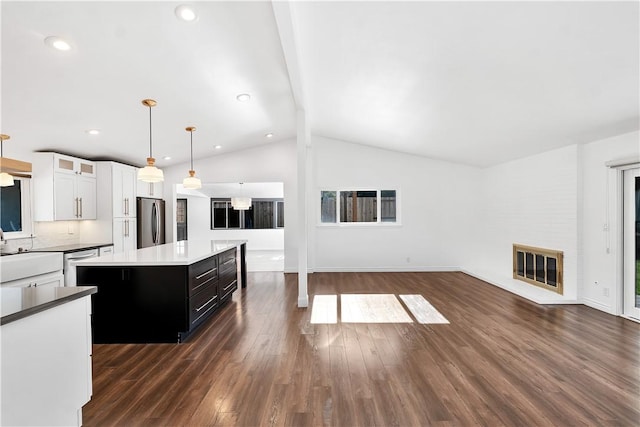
538 266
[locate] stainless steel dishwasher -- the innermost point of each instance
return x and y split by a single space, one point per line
70 259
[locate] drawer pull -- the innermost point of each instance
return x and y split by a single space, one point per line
229 261
230 285
202 284
206 303
205 273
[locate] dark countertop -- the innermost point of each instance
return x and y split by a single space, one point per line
72 248
18 303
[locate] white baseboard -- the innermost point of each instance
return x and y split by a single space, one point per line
598 306
409 269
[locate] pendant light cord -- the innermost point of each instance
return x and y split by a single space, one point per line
150 146
191 132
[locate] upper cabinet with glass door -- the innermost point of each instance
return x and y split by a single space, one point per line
64 187
73 165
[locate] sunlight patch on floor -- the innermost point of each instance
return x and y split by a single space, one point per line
422 310
374 308
325 309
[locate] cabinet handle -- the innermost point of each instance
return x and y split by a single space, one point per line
230 285
76 210
205 273
80 207
126 228
151 188
206 303
229 261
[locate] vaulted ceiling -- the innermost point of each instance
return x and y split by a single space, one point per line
471 82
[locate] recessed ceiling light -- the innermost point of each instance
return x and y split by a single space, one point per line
243 97
186 13
167 157
57 43
268 135
217 147
93 131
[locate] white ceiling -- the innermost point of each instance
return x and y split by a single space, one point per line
475 82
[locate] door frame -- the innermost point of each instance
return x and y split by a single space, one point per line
624 190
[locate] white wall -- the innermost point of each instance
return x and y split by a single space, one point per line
199 227
437 200
531 201
599 207
273 162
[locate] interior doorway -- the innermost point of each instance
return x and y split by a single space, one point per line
631 230
181 219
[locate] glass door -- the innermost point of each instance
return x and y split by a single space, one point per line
632 243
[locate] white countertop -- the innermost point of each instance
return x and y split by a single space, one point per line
177 253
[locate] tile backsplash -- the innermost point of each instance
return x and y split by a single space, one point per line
46 234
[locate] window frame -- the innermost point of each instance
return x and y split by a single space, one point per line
26 203
378 223
274 200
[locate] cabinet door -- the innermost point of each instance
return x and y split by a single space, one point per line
150 189
130 242
118 235
129 178
86 168
66 203
124 235
119 204
53 282
86 193
65 164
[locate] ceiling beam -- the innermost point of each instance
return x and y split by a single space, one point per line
286 23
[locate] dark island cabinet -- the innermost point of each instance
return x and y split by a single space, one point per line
160 303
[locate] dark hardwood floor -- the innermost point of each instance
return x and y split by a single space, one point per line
501 361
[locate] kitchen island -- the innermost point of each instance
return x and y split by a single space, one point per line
160 293
46 355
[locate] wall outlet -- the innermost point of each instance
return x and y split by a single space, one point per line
605 292
408 259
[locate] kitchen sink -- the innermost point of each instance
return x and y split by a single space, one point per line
22 265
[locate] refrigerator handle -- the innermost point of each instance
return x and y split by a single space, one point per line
153 223
157 205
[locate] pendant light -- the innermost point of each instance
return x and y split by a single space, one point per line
6 180
241 203
150 173
191 182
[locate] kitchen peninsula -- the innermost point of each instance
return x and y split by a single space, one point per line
160 293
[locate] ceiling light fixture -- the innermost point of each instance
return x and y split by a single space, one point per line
241 203
6 180
191 182
217 147
186 13
93 131
57 43
166 158
268 135
243 97
150 173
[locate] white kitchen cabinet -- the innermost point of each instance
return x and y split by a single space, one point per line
117 204
64 188
53 279
73 165
123 187
46 365
150 189
124 235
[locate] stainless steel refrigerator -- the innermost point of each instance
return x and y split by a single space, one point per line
150 222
